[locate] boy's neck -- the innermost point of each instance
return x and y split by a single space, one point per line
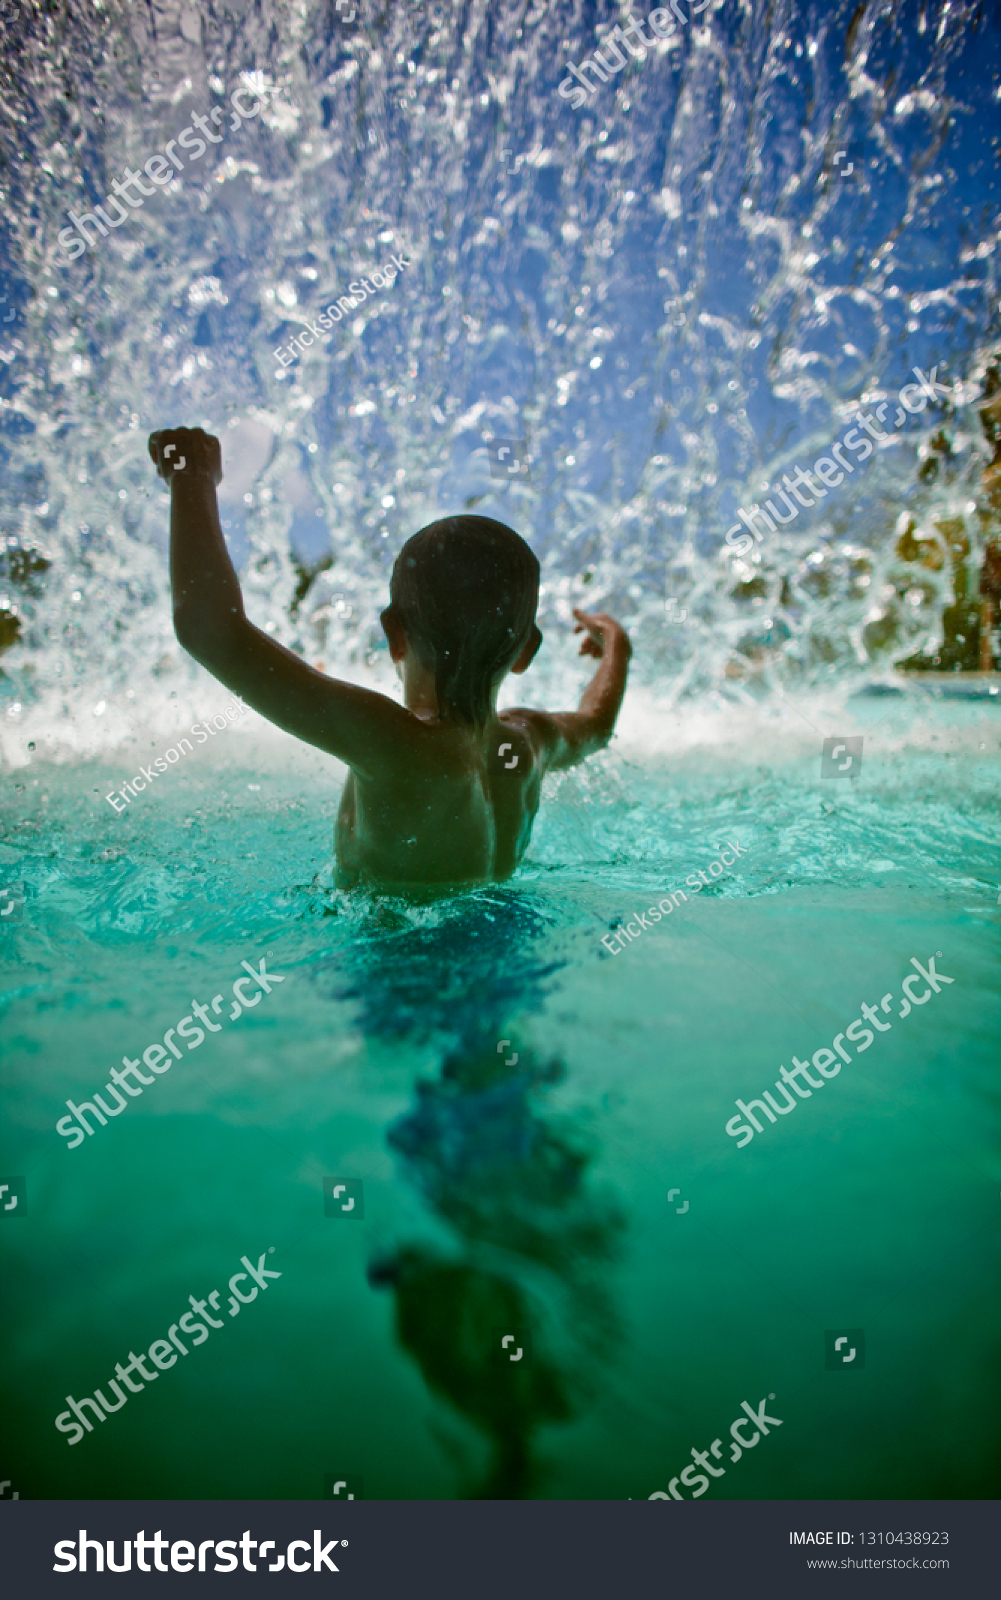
419 694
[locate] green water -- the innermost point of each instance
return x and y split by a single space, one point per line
672 300
529 1195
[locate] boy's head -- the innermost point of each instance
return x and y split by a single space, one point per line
464 592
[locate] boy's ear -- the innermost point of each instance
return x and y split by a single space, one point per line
396 634
529 653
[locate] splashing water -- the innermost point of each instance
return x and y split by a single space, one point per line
671 295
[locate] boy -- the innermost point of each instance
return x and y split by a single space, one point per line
442 791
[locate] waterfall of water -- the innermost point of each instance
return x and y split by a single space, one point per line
667 298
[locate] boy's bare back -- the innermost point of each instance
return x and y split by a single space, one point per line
432 801
462 814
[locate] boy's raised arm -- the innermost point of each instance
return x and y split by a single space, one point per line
367 730
565 737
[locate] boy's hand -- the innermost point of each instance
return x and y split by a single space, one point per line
601 631
189 451
565 737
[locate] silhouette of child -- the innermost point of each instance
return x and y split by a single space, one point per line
442 791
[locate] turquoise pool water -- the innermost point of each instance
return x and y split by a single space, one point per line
574 1186
665 302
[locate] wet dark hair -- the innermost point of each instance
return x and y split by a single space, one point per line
466 590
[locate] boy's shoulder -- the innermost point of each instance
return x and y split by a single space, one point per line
534 732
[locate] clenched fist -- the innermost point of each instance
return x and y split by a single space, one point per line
191 452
